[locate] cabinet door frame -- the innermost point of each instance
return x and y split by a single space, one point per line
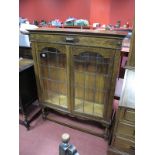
62 48
107 53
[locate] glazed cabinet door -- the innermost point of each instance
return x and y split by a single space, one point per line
52 70
91 70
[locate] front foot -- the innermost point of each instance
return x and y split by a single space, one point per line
105 131
44 114
27 125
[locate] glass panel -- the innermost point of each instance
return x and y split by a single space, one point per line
78 105
53 75
91 74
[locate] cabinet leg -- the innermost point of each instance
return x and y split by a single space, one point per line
106 133
44 114
26 123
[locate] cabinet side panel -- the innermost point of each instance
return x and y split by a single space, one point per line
34 50
108 113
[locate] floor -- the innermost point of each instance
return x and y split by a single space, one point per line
44 138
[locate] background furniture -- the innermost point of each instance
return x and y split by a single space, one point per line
25 52
76 71
27 92
123 63
123 139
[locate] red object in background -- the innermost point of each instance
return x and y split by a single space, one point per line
101 11
127 25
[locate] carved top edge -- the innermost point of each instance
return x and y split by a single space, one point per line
80 31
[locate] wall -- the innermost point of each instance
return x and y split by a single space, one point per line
52 9
110 11
100 11
103 11
123 10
